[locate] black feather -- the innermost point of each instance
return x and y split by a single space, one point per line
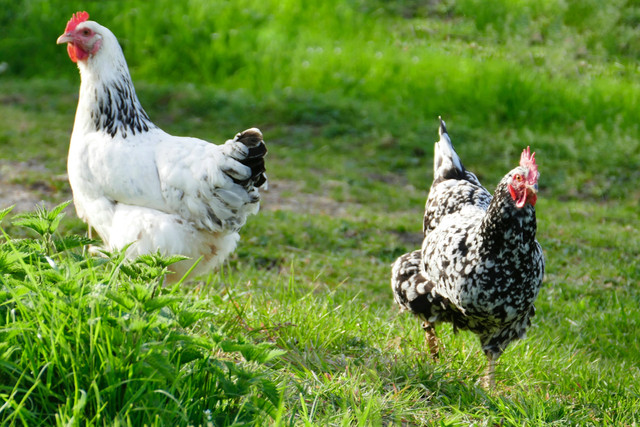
254 158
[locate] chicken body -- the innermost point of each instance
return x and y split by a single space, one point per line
136 184
480 266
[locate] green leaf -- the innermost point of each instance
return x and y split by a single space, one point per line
72 241
190 354
160 363
158 260
41 220
9 261
121 299
4 212
153 304
187 318
56 212
260 353
35 223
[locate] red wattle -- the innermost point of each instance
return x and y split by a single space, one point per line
523 198
76 53
71 50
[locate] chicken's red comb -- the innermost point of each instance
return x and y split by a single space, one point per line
76 18
528 160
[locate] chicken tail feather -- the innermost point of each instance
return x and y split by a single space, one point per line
446 162
252 138
253 157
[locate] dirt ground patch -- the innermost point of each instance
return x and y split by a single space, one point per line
288 196
27 184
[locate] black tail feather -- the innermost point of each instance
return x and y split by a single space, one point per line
252 138
443 127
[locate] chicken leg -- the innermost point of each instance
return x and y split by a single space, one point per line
432 339
489 381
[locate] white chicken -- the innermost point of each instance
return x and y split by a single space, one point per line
136 184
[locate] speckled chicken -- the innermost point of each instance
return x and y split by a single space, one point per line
480 266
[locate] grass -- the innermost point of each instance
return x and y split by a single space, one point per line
85 340
299 328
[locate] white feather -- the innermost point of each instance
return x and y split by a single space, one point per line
176 195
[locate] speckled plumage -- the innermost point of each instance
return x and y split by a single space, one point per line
480 266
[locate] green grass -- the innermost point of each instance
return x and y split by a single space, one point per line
299 328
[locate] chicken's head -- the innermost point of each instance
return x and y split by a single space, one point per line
523 185
81 36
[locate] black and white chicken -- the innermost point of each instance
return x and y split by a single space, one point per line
480 266
134 183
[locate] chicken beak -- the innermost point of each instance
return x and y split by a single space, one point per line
532 193
65 38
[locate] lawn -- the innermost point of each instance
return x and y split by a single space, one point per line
300 327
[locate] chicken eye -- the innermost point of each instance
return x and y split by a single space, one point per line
86 32
518 177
